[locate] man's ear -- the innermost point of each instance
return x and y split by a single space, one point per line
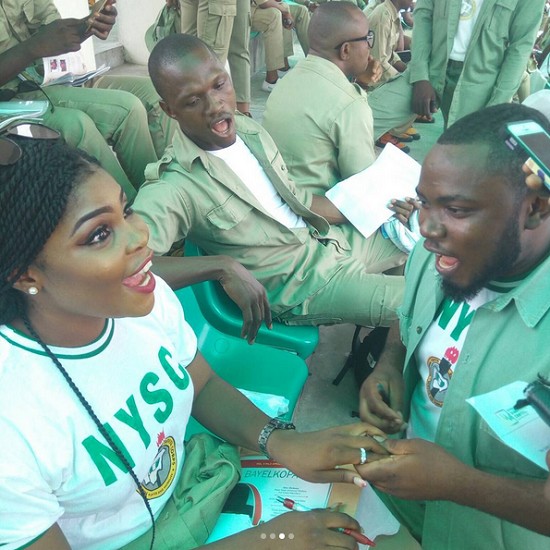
343 52
28 280
539 211
166 109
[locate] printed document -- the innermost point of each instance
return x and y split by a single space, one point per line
363 197
521 429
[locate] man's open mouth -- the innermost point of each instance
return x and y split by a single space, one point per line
446 264
222 126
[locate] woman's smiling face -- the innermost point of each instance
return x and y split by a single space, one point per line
95 264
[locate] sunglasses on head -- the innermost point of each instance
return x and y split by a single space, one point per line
368 38
10 151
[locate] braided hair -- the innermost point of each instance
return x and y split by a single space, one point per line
33 197
34 194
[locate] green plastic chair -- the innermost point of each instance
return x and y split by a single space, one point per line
224 315
258 368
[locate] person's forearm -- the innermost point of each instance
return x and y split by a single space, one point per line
381 50
58 37
394 352
273 4
227 413
323 207
180 272
15 60
515 500
389 71
385 62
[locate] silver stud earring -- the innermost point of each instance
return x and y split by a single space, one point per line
33 291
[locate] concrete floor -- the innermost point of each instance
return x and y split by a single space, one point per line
323 404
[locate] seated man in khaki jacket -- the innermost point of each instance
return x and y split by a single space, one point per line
224 185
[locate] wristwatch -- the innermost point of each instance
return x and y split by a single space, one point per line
273 424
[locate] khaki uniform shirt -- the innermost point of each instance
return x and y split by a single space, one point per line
371 6
386 24
19 19
502 40
324 135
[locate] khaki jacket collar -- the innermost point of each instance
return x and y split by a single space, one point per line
187 153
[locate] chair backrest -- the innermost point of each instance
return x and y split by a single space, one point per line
257 368
223 314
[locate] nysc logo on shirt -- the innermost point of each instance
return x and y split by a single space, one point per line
440 372
152 392
163 470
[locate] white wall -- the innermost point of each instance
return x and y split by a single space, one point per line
78 9
134 18
72 8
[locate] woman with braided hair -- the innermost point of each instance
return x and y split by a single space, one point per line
99 373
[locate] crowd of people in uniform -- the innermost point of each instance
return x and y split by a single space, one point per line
99 370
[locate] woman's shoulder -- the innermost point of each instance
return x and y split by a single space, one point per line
166 301
169 313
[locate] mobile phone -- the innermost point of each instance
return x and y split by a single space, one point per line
532 137
97 7
94 10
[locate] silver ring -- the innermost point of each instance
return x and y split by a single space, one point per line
363 459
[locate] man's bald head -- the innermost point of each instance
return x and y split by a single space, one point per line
333 23
195 90
177 52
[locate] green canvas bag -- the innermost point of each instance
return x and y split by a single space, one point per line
212 468
167 22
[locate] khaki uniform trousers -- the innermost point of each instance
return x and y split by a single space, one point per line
95 119
359 293
391 105
277 40
211 21
161 126
239 53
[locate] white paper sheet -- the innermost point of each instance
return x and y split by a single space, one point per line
363 197
268 403
523 430
373 516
